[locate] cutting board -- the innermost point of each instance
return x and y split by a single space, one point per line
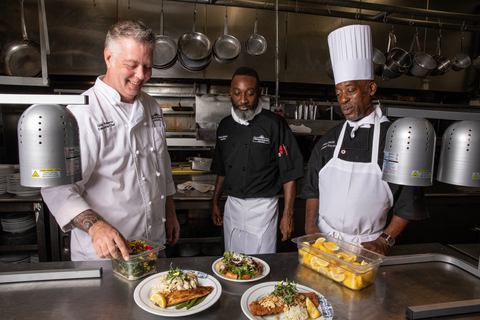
184 170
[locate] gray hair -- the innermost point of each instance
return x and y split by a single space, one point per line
128 29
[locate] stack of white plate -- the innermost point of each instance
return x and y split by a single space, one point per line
5 170
14 186
18 222
15 257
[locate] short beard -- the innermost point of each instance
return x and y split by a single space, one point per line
245 115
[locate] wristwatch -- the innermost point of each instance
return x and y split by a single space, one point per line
388 238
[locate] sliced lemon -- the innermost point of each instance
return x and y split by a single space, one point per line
320 240
339 277
364 263
312 310
323 270
159 300
322 262
331 246
354 283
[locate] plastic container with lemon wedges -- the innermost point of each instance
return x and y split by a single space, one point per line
345 262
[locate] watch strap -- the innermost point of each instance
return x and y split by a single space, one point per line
388 238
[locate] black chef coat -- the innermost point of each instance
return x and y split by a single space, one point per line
257 159
409 202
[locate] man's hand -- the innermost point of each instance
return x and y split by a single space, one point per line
172 227
378 245
287 225
104 236
106 239
217 216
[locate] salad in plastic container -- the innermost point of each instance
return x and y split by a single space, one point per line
143 259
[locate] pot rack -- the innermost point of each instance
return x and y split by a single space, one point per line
44 51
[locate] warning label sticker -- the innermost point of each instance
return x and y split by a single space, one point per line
476 175
425 174
72 160
390 156
46 173
390 167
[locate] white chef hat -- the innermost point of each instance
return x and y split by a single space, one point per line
351 53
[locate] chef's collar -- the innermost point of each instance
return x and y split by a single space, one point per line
366 121
246 122
111 94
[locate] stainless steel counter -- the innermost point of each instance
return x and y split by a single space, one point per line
111 297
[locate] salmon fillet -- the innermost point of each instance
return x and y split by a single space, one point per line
179 296
258 310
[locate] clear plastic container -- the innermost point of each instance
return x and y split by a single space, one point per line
345 262
139 265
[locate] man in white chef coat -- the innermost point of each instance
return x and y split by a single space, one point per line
127 187
346 196
256 157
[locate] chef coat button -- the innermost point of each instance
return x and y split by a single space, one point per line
151 149
149 203
150 227
243 169
343 151
162 197
137 152
143 178
144 124
163 219
158 174
244 145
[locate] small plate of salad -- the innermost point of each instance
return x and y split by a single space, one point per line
238 267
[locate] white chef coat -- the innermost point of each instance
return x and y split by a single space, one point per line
125 166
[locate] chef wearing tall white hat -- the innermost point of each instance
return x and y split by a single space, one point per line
346 196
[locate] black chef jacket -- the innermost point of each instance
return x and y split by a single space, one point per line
409 202
257 159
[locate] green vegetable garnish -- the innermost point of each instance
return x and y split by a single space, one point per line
176 273
286 291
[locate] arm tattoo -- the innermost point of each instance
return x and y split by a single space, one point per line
86 220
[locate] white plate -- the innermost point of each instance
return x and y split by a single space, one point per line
265 272
144 290
262 289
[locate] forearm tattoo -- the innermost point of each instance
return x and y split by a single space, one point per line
86 220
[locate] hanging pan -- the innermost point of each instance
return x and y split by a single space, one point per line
226 48
194 45
256 43
461 60
22 58
165 53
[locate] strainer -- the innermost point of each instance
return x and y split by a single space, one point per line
409 152
460 154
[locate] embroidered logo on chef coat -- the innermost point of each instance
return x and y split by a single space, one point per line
105 125
156 117
222 138
329 144
261 139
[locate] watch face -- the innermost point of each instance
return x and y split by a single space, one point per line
390 240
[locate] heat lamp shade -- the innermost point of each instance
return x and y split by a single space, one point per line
459 162
48 145
409 152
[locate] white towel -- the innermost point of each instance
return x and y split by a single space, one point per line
200 187
300 128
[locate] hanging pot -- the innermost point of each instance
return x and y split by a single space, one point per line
226 48
378 61
443 65
422 63
397 60
461 61
328 69
165 52
194 45
22 58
